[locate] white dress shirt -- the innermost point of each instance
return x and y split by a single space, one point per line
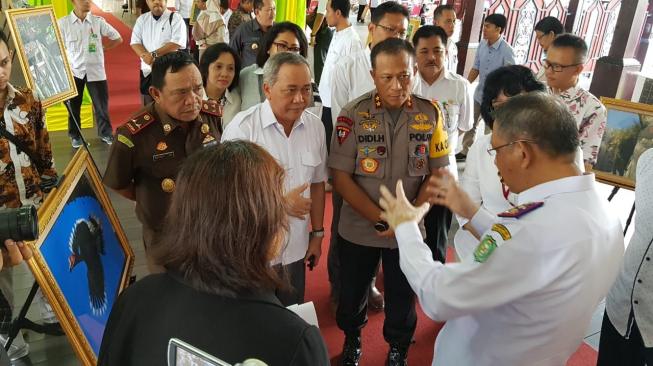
452 56
531 300
351 79
451 91
480 180
628 293
83 42
303 156
184 7
153 34
345 42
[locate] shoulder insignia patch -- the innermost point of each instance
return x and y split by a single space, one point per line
346 120
502 230
521 210
485 249
212 108
125 141
139 122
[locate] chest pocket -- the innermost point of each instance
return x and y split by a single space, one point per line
420 132
252 45
310 162
371 156
451 112
165 164
73 44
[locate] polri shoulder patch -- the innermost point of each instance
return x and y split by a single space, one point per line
139 122
521 210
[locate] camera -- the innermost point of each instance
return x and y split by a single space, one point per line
19 224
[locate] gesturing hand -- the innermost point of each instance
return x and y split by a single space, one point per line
298 206
397 210
443 190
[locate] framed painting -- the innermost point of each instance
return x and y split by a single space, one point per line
628 133
82 260
41 54
194 13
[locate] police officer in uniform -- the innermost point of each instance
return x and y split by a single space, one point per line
151 147
383 136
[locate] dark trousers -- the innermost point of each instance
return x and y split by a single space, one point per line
437 223
295 273
361 9
333 258
617 350
99 92
358 265
328 126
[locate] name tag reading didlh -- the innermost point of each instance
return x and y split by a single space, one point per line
163 156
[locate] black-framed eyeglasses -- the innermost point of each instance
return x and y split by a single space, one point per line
400 33
493 151
557 67
285 48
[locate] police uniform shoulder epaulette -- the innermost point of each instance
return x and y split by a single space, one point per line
521 210
139 122
211 108
353 105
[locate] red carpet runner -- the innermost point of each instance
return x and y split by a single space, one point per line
122 72
122 68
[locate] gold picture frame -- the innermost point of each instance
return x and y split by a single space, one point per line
194 13
41 53
82 260
628 133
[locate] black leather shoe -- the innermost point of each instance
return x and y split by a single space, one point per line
397 355
351 351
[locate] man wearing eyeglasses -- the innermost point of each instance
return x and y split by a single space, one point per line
540 269
247 37
451 91
444 17
295 138
564 63
385 135
350 79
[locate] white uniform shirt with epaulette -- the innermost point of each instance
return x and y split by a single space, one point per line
527 295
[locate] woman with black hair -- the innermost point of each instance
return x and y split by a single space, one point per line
481 178
282 37
220 69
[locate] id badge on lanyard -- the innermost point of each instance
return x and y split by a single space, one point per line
92 42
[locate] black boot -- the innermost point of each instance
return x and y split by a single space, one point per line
351 350
397 355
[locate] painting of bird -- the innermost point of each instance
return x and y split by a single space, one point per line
86 245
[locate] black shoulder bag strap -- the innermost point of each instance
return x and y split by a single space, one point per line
20 145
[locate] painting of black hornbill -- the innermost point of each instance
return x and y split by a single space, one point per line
87 245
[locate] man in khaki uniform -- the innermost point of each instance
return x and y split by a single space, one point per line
151 147
383 136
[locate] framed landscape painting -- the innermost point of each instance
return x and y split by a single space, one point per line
41 53
82 260
628 133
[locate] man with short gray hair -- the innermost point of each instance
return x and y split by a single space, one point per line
540 269
295 138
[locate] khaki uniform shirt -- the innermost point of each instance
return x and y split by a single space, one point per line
148 153
367 146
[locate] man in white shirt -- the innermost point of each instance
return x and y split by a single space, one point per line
444 16
82 34
345 42
437 83
184 8
156 33
528 294
351 78
295 138
565 60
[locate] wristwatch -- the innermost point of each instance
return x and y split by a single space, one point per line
154 54
381 226
317 233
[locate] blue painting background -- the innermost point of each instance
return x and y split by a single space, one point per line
74 285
